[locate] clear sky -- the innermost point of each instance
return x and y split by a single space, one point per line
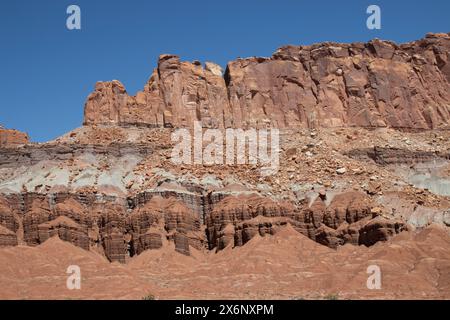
47 71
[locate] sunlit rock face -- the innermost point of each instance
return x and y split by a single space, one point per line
374 84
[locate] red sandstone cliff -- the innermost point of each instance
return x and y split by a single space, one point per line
374 84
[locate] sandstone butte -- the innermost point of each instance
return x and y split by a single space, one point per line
364 177
374 84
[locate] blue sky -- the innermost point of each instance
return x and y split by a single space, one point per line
47 71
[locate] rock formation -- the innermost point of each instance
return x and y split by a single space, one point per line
234 219
8 225
351 190
66 229
111 187
347 219
9 137
374 84
168 218
7 237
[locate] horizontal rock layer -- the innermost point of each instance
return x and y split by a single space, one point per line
121 228
7 237
374 84
389 156
108 225
347 219
34 153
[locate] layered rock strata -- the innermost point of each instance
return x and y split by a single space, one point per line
119 231
347 219
374 84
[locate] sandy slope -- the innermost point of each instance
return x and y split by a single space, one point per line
285 266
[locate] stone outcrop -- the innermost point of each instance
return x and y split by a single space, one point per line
8 225
379 229
111 187
347 219
38 213
394 156
181 243
143 224
200 209
234 219
164 217
33 154
374 84
7 237
365 232
192 198
66 229
148 226
112 227
116 227
7 218
68 220
10 137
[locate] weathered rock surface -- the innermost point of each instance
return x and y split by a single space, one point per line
8 225
374 84
7 218
124 196
9 137
168 218
233 220
7 237
389 156
38 213
181 243
347 219
111 188
112 227
379 229
68 220
66 229
265 264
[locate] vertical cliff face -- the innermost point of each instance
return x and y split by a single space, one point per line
176 94
372 84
